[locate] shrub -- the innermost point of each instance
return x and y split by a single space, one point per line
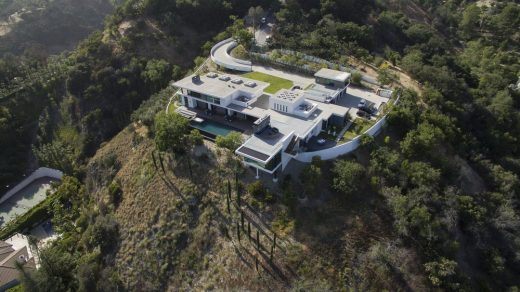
102 233
356 78
196 137
367 140
347 176
115 192
256 189
231 142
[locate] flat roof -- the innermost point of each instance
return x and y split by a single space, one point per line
287 95
332 74
264 146
220 88
320 92
300 125
253 153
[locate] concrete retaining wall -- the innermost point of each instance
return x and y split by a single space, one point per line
39 173
338 150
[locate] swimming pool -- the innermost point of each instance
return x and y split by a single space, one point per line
214 128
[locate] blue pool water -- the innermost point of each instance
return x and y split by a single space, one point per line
214 128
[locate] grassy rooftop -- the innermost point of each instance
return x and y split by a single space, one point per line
275 83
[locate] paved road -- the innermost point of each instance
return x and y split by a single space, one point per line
262 33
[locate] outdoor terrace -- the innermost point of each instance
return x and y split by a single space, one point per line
245 126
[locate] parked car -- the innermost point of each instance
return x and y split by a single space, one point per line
363 114
368 109
362 103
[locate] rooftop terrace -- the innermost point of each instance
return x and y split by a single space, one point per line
332 75
221 85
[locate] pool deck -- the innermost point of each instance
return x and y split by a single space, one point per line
25 199
244 126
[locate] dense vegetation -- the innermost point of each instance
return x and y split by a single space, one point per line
41 27
449 168
432 203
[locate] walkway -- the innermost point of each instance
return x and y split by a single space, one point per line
220 55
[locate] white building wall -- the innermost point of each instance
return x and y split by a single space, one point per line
334 152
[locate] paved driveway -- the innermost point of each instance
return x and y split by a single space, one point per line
354 95
262 33
313 144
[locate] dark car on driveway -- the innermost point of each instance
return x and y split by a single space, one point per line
363 114
368 109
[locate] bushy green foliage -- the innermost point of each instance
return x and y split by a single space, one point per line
170 132
256 189
103 234
115 192
348 176
231 141
56 272
356 78
57 155
196 137
439 270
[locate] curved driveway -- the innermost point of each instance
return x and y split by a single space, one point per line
220 55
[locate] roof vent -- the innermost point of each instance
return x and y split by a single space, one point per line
195 79
212 75
224 78
237 81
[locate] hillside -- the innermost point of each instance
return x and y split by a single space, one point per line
175 234
48 27
430 204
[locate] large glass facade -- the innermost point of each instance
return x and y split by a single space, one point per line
270 166
204 97
274 162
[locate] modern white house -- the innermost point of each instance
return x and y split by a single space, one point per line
277 125
329 87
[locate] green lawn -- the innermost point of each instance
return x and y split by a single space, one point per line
276 83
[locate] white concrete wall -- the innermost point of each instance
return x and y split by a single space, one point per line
334 152
220 55
338 150
39 173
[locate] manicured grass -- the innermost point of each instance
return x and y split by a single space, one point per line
276 83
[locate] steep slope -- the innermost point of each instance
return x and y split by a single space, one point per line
176 233
49 27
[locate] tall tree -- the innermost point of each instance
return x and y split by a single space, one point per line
170 132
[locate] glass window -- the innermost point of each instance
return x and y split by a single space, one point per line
194 94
